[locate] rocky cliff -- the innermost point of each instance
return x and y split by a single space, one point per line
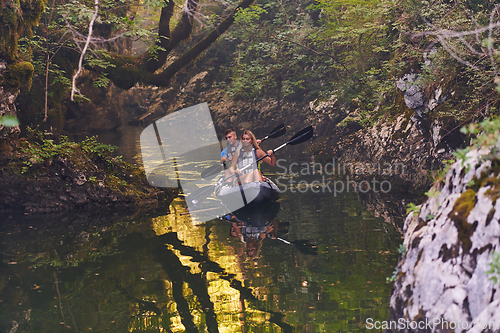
442 280
7 108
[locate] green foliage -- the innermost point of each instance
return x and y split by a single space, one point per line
249 16
494 270
402 249
284 51
102 81
460 154
41 149
412 208
54 53
9 121
92 147
394 276
274 54
433 193
486 134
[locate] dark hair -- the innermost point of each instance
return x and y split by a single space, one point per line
229 130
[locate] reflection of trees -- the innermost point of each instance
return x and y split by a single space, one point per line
141 284
129 279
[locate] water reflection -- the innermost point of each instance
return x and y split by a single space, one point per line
89 272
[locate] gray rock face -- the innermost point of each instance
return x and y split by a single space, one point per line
442 276
414 98
398 143
7 106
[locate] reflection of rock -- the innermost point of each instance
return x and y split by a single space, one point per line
390 206
443 274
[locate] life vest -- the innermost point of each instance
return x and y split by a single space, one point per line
231 150
245 159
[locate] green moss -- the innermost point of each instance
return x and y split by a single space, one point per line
17 75
463 207
459 214
489 178
493 181
125 73
15 18
32 10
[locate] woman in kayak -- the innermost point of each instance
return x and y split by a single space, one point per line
247 155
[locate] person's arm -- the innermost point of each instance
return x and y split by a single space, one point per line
271 159
223 155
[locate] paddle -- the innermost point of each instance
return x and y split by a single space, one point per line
300 137
212 171
276 132
302 245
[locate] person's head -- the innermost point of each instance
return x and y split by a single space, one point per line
253 247
230 136
248 138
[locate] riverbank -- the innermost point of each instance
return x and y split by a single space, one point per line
41 175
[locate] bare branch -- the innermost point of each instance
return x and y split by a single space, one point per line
450 49
82 55
164 77
446 36
490 41
81 38
450 33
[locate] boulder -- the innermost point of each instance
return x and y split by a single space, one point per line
442 278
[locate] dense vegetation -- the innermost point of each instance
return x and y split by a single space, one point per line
290 51
356 50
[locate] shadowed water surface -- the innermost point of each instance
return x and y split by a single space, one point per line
89 272
319 263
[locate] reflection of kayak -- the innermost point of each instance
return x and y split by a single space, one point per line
252 193
258 216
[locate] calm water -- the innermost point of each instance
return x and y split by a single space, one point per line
89 272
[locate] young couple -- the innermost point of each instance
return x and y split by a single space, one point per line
241 155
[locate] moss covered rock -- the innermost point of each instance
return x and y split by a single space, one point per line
17 75
449 243
42 176
17 17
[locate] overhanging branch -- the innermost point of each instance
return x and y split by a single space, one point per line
163 78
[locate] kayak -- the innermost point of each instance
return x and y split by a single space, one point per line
253 193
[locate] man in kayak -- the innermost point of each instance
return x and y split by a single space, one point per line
247 155
232 146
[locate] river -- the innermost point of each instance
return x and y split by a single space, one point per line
324 268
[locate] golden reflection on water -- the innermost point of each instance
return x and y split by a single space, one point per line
229 307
